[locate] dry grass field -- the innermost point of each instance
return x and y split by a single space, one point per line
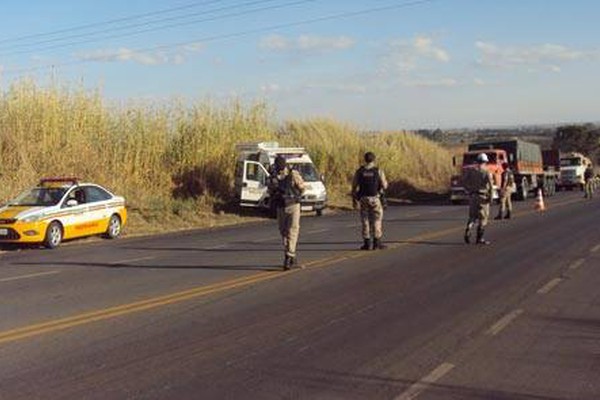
175 163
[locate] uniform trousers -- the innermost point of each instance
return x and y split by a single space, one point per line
288 219
371 217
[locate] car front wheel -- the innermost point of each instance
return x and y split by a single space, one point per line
114 227
54 235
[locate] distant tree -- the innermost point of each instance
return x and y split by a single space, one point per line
581 138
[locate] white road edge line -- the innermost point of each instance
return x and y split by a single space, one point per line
577 263
549 286
595 248
417 388
132 260
503 322
14 278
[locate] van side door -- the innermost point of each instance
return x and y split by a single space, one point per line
254 190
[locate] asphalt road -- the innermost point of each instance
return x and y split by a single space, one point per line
210 314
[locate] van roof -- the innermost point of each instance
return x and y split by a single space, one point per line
269 147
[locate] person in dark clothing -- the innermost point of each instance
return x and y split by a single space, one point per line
367 186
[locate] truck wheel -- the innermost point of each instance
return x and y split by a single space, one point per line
524 190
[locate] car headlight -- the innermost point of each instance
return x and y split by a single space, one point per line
31 218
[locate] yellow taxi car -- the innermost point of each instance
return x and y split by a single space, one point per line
61 208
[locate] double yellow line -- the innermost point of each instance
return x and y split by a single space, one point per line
129 308
111 312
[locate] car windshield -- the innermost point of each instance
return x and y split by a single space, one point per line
570 162
307 171
471 158
39 197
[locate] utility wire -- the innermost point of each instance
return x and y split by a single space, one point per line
96 38
213 38
108 22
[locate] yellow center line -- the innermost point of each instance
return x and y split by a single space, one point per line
111 312
160 301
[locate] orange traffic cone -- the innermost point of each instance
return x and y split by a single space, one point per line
539 201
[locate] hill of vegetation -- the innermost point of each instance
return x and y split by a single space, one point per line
175 163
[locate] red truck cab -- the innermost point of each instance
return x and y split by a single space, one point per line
496 157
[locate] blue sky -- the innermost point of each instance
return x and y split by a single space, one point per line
378 64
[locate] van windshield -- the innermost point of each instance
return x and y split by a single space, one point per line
307 171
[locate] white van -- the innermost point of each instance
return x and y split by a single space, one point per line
254 164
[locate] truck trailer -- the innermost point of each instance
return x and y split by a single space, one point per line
525 160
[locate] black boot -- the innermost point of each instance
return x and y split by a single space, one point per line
468 233
378 245
507 215
480 239
366 244
287 263
294 262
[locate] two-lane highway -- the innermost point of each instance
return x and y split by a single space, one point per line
210 315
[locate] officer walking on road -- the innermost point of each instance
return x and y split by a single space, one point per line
478 183
367 187
507 186
588 177
285 188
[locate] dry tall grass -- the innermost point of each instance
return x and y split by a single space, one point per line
175 163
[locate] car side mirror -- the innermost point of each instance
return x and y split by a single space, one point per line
72 203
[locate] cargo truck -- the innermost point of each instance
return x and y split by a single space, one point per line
551 162
572 169
458 193
525 160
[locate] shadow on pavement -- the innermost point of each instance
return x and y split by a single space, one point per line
260 247
409 219
428 243
173 267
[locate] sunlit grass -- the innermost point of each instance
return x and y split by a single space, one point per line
175 163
